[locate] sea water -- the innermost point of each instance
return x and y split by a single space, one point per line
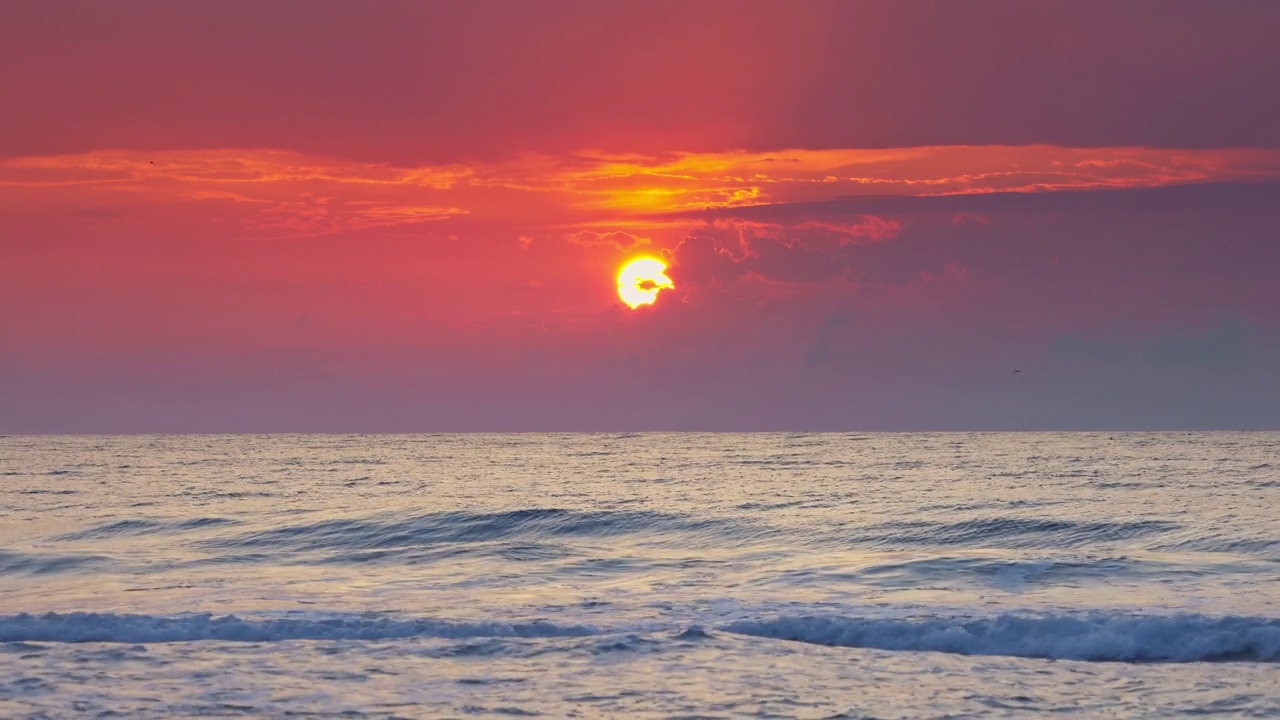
641 575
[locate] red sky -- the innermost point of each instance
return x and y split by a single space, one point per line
341 216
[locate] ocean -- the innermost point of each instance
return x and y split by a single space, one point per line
640 575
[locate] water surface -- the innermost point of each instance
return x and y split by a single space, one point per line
649 575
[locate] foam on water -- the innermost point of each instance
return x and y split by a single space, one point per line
1085 637
1095 637
116 628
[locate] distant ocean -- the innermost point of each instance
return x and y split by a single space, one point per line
641 575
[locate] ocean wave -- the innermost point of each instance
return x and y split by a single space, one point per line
1009 574
18 563
1265 547
1094 637
120 628
1011 532
469 527
144 527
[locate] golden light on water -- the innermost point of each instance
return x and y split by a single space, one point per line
640 280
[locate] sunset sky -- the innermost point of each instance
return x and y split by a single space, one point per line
410 216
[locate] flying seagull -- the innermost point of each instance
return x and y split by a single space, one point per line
1015 372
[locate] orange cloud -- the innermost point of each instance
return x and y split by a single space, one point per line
687 181
618 239
263 194
266 194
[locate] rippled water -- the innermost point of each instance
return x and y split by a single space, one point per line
651 575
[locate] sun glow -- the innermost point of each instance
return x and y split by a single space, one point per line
640 280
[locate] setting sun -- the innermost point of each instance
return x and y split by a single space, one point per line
640 280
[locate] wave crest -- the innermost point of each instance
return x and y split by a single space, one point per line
469 527
1096 637
121 628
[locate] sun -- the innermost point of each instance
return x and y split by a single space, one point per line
640 280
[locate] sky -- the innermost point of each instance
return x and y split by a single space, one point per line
410 216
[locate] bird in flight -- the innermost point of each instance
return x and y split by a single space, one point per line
1015 372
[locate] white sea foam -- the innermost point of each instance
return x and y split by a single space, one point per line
116 628
1092 637
1098 636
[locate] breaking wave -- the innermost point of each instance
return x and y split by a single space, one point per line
1096 637
119 628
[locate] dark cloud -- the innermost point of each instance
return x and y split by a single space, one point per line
1220 346
725 252
1186 246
